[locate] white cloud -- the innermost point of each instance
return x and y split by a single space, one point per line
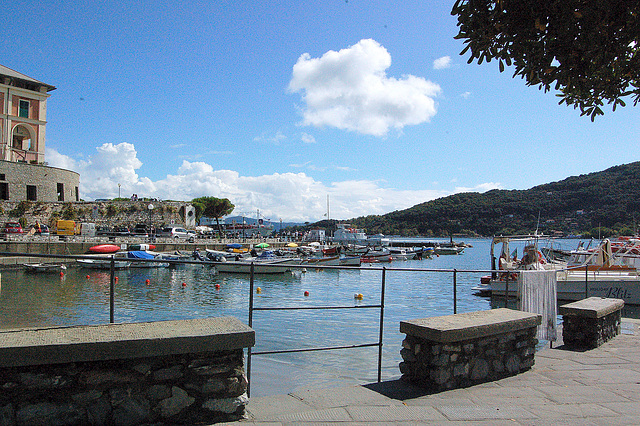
287 196
442 63
307 138
350 90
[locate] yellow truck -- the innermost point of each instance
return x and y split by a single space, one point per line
64 227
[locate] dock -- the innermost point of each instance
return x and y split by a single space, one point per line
598 386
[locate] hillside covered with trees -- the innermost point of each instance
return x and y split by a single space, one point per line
602 203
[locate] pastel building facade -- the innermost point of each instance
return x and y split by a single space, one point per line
24 174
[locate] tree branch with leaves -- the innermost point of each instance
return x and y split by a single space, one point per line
588 51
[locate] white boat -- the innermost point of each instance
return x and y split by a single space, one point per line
45 267
446 250
398 253
345 234
599 272
102 263
266 263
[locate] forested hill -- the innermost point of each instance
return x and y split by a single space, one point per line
609 200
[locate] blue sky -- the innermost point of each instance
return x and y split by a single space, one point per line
279 105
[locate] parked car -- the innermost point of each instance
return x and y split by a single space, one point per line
103 231
121 231
141 230
173 232
13 228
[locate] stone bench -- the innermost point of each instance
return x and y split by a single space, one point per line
461 350
167 372
588 323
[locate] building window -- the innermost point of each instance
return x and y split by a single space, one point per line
4 191
77 194
23 109
31 193
2 176
60 192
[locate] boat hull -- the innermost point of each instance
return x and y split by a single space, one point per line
572 287
102 264
244 266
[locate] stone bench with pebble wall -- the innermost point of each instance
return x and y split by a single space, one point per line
588 323
167 372
454 351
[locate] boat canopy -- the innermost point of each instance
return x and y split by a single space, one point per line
139 254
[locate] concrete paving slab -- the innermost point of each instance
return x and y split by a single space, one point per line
553 411
621 375
326 415
631 391
343 396
396 413
272 406
631 408
475 412
579 394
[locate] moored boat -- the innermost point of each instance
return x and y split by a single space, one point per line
45 267
265 263
599 272
102 263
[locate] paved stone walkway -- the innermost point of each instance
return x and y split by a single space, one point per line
596 387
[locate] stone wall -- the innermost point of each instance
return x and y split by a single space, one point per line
107 213
584 333
588 323
455 351
439 366
45 180
181 389
167 372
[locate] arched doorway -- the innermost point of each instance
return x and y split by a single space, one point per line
22 142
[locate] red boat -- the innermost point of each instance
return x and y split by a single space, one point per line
104 248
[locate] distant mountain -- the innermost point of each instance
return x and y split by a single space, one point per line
609 200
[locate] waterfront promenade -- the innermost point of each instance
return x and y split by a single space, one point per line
596 387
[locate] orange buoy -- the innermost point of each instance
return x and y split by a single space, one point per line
217 286
306 293
258 290
148 281
61 274
184 284
116 278
87 276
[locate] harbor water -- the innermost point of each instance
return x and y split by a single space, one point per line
81 296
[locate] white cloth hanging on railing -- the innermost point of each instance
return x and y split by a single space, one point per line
537 291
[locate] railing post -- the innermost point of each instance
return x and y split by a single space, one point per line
586 281
250 325
455 291
112 287
382 291
506 291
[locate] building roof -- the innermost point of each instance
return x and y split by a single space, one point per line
15 75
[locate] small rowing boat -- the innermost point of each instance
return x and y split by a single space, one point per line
45 267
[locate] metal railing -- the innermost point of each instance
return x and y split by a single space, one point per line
252 309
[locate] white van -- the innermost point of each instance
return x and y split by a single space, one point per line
88 229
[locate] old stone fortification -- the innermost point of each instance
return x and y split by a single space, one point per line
19 181
108 213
